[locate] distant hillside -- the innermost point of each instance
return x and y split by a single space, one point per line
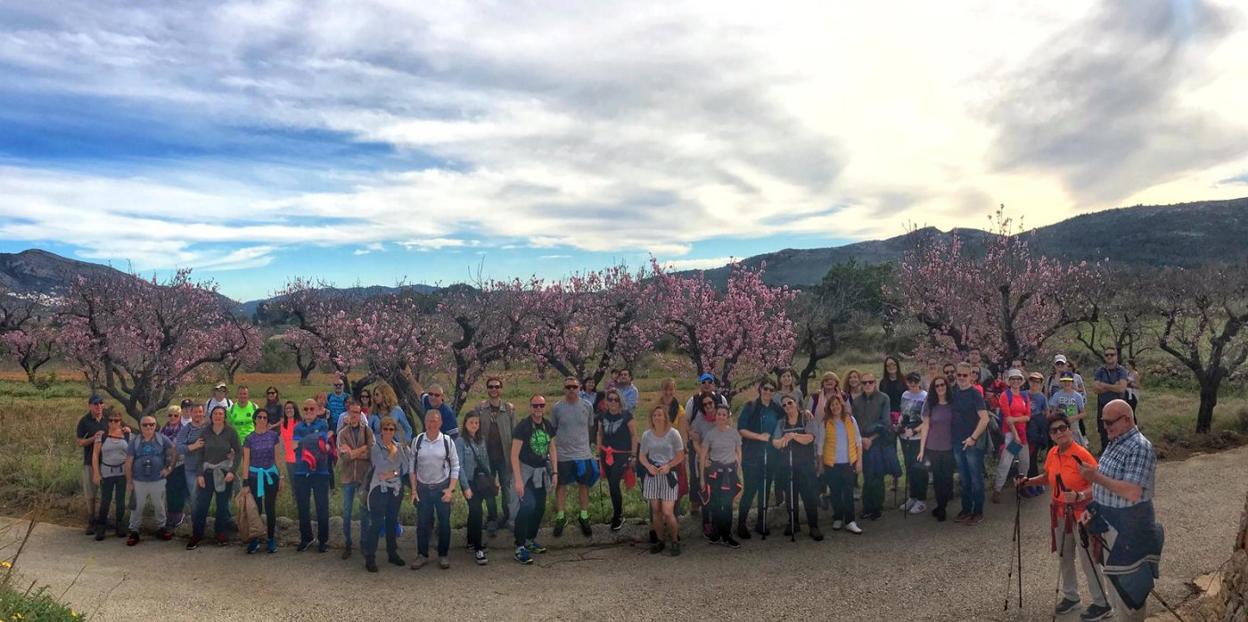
1185 234
256 309
37 271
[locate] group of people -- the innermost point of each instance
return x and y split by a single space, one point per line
804 453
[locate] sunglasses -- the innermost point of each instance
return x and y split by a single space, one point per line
940 385
1058 429
114 420
612 399
270 392
435 395
767 389
172 415
1108 422
148 425
868 382
388 427
365 396
309 409
788 403
493 386
537 406
571 387
708 403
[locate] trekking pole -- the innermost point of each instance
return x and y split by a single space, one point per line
1017 540
765 503
792 501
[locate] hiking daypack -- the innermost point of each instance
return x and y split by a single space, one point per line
446 444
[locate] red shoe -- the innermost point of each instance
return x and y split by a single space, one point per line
975 519
221 541
133 539
165 535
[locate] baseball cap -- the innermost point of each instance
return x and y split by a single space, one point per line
706 377
1035 375
221 385
1067 376
187 404
913 377
1014 373
95 399
1061 358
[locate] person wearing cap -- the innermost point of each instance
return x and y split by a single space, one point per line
1037 429
1053 384
239 415
175 483
336 403
220 397
1014 404
911 405
186 407
1110 383
91 428
1071 403
149 460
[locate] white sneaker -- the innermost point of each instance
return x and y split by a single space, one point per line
918 508
836 525
853 528
907 505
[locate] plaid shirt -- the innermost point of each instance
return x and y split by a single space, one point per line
1128 458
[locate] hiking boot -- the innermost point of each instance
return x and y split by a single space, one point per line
534 547
713 538
420 562
272 545
133 538
522 556
816 534
444 563
975 519
346 552
99 533
656 547
961 517
303 546
617 523
1066 606
370 565
480 557
322 547
837 524
586 530
853 528
731 543
560 523
742 532
996 496
253 546
939 515
1095 612
675 548
192 544
396 560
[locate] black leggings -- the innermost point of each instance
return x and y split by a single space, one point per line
943 466
383 510
615 475
722 480
267 504
915 471
112 489
475 520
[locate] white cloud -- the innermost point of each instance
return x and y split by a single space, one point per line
696 264
610 127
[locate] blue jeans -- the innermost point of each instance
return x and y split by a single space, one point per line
349 494
203 498
429 505
971 470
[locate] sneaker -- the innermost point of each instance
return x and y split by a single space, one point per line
961 517
1095 612
656 547
1066 606
420 562
730 543
522 556
905 507
444 563
132 539
975 519
816 534
675 548
873 516
346 552
322 547
996 496
534 547
303 546
165 534
480 557
853 528
254 545
221 540
560 523
742 532
617 523
397 561
586 530
713 538
370 565
272 545
837 524
939 514
918 508
192 544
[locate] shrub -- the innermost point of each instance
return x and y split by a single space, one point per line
34 604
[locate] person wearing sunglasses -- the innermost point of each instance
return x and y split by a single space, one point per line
175 482
262 479
1121 514
498 419
190 447
1038 442
273 405
108 462
759 460
91 428
1071 496
221 452
573 418
149 460
702 419
435 399
1060 366
312 474
968 429
936 443
872 411
1110 383
389 458
336 402
532 454
794 437
354 440
617 448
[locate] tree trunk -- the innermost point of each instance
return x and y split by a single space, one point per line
1208 399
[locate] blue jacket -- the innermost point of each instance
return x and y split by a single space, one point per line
308 438
450 423
471 459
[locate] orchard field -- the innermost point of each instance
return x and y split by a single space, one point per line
39 463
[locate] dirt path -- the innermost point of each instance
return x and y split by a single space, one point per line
913 569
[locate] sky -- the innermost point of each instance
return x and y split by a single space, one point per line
386 141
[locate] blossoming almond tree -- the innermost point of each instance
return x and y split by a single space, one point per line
138 339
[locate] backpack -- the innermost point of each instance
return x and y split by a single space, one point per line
446 444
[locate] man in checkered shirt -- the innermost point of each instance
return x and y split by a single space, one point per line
1122 511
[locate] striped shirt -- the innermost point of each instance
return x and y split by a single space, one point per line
1128 458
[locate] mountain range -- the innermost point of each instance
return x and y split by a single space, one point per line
1185 234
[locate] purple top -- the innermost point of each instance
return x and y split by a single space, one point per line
939 427
263 448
